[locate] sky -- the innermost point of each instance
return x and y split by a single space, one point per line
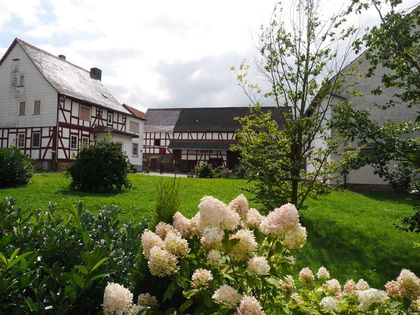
161 53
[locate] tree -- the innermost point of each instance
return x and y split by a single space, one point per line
300 63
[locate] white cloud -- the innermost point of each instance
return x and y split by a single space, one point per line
142 46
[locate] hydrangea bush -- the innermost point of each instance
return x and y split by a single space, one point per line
229 259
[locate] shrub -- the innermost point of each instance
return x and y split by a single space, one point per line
229 259
15 167
204 171
61 261
101 167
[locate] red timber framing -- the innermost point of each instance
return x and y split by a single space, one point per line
70 124
9 137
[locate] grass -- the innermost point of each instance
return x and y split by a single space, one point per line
352 234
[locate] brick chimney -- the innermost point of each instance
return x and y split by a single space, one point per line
96 74
62 57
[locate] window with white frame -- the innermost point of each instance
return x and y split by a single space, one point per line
110 118
21 140
135 149
21 80
85 142
36 139
73 142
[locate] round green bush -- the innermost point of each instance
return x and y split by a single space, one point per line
102 167
15 167
204 171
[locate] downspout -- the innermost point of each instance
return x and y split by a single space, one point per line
56 132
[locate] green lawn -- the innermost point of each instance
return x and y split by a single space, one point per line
352 234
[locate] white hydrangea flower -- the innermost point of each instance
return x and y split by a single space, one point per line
288 284
148 300
249 305
329 303
306 276
214 258
369 297
163 229
280 220
149 240
362 285
245 246
117 299
227 296
183 225
323 273
230 220
333 287
392 288
240 206
408 284
201 278
258 266
212 237
295 237
162 263
176 245
349 287
212 212
253 219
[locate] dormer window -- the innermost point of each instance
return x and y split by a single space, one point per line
110 118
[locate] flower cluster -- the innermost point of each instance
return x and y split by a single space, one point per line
230 259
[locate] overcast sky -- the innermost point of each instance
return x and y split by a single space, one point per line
161 53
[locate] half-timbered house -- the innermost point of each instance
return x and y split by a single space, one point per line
51 108
181 138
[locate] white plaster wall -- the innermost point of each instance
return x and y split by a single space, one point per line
35 88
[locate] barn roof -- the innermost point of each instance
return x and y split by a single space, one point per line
161 120
138 113
69 79
204 119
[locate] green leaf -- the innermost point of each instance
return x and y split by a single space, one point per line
3 258
100 275
70 292
169 292
98 264
82 269
78 279
185 305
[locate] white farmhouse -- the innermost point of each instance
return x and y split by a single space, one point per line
51 108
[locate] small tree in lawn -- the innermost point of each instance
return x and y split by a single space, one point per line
101 167
300 64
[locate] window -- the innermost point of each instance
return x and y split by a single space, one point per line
84 113
134 126
85 142
110 116
21 140
22 108
36 139
37 107
157 142
135 151
73 142
21 80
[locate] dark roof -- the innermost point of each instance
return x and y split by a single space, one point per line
216 119
203 145
138 113
161 120
69 79
104 129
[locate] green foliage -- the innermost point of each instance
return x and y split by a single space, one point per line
101 167
279 174
168 200
300 65
66 260
394 45
204 171
15 167
378 145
